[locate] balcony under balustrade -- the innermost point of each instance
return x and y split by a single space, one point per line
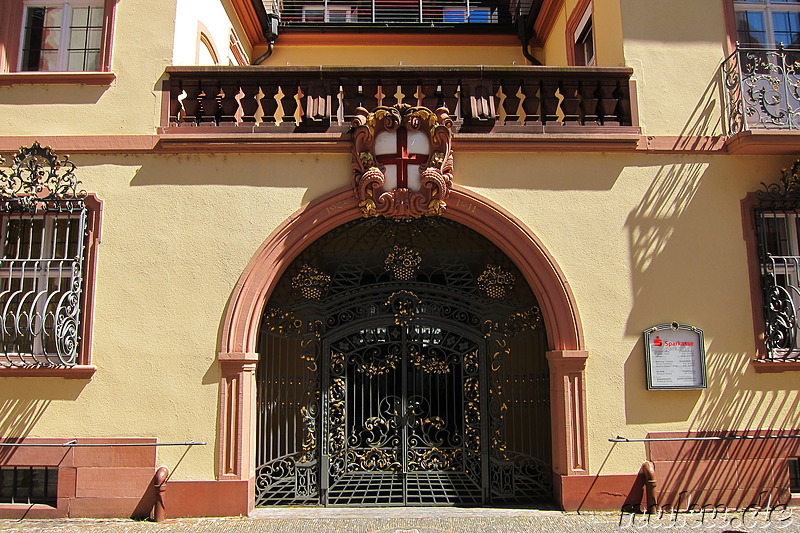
566 104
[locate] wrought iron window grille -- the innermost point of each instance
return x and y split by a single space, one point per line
43 219
777 219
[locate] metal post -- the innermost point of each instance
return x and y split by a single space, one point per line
160 486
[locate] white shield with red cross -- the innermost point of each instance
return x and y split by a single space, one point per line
402 153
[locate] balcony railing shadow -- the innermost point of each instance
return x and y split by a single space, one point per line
762 87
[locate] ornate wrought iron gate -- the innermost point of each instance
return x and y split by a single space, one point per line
402 364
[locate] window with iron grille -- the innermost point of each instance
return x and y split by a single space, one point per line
777 225
43 241
41 281
28 485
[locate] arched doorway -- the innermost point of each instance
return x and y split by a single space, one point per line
238 355
402 363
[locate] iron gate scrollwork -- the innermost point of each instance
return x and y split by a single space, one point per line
402 363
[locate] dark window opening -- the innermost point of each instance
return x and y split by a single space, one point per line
794 475
29 485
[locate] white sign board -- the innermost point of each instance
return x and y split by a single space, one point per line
675 357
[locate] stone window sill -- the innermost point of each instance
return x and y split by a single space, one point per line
56 78
762 366
73 372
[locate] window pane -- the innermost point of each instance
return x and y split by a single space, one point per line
77 39
42 32
750 28
95 38
80 16
787 28
96 17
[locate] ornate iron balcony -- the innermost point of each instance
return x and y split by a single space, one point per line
762 89
324 99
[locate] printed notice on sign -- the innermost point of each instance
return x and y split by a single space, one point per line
675 357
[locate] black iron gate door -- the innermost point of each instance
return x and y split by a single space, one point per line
403 403
402 363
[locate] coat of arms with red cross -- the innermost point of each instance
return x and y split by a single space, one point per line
402 161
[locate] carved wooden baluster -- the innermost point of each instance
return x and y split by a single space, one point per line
431 94
609 108
176 96
248 102
191 103
570 106
532 103
368 94
551 99
228 104
318 105
511 102
289 102
481 108
352 98
210 100
589 101
450 95
269 104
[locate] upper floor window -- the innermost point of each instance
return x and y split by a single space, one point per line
62 36
765 23
581 32
56 35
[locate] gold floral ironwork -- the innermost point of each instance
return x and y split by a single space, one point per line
403 304
378 368
495 282
429 364
403 262
311 283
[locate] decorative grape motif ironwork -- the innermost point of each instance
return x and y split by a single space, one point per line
496 282
311 283
403 262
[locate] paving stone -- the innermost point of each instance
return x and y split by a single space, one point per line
424 520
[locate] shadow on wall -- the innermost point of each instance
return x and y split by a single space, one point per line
736 473
17 419
24 406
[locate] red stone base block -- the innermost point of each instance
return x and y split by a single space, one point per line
599 493
94 482
208 498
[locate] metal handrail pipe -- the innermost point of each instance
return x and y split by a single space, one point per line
75 444
721 437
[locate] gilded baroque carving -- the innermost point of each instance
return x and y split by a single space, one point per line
436 175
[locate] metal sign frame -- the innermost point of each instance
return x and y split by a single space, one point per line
684 337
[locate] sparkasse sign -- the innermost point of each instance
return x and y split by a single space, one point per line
675 357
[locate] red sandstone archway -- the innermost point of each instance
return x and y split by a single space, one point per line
238 358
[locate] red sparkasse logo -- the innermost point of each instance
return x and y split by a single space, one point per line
657 341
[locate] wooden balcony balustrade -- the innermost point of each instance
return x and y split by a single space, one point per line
524 99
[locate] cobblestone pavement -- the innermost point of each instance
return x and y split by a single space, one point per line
425 520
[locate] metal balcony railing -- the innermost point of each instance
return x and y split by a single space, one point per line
762 87
399 13
298 99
